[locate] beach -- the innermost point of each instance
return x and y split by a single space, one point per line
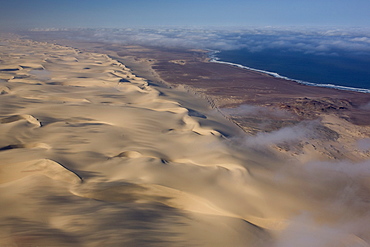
111 145
342 71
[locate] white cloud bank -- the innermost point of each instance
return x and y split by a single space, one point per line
287 135
316 41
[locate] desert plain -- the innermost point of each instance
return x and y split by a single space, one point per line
111 145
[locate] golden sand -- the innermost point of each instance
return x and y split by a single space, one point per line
93 155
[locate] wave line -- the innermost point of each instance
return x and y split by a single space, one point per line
214 59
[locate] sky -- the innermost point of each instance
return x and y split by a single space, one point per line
24 14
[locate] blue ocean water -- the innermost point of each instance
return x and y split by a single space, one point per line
343 70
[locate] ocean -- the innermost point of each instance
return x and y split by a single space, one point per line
347 71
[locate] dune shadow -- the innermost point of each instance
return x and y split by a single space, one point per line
109 223
194 113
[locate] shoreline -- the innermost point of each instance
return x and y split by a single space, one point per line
215 59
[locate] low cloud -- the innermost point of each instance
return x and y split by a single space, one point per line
305 232
347 168
364 144
287 135
341 214
314 41
251 110
366 107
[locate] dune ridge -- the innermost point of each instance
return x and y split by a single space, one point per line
94 155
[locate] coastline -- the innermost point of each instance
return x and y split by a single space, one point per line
215 59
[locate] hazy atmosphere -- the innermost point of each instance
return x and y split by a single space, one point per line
185 123
118 14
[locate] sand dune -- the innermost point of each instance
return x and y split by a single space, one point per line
52 169
93 155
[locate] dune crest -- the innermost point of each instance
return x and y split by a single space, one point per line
49 168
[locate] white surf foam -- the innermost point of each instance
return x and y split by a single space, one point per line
215 59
